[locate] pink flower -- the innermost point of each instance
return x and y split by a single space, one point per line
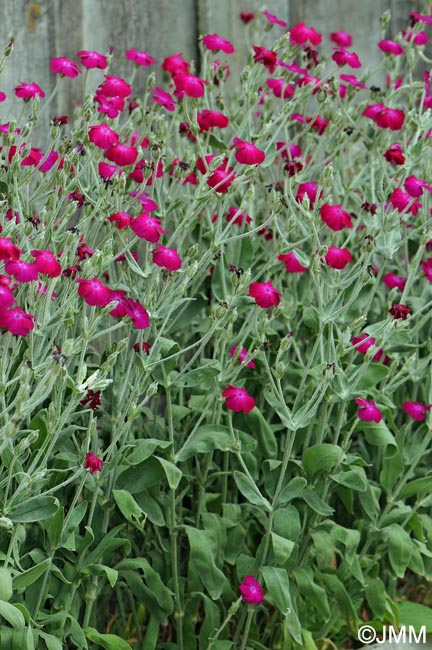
114 87
416 410
147 227
46 263
188 84
6 296
394 155
362 344
94 292
146 202
399 311
338 258
221 178
309 189
163 98
175 64
280 88
110 106
167 258
300 34
107 171
28 91
237 399
211 119
400 201
267 57
273 19
214 42
21 271
342 39
343 57
393 281
65 67
391 47
335 217
265 294
352 80
247 153
414 186
368 411
140 58
242 355
138 313
93 462
122 154
237 216
421 38
122 219
16 321
427 268
103 136
91 60
251 591
8 251
291 262
384 117
247 16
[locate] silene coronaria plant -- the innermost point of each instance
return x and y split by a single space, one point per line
215 378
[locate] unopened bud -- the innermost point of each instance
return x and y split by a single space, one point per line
385 20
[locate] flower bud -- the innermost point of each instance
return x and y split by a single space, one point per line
385 20
6 524
279 370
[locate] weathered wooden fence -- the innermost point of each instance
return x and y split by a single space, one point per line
49 28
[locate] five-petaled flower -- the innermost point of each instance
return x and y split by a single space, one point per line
265 294
368 410
251 591
93 462
238 399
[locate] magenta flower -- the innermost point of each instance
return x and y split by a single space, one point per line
21 271
94 292
175 64
28 91
167 258
384 117
427 268
211 119
237 216
401 200
352 80
163 98
135 310
368 411
342 39
300 34
110 106
309 189
391 47
188 84
114 87
147 227
215 43
8 251
93 462
7 298
91 60
16 321
338 258
251 591
221 178
394 155
46 263
291 262
242 355
247 153
273 19
65 67
121 219
393 281
362 344
103 136
344 57
267 57
415 186
140 58
107 171
416 410
237 399
335 217
399 311
122 154
280 87
247 16
265 294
